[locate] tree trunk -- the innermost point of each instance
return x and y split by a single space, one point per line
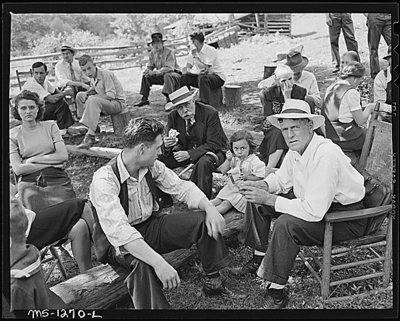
120 121
233 96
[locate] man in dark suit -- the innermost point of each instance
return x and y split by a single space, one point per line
195 135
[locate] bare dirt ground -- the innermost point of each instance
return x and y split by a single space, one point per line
244 66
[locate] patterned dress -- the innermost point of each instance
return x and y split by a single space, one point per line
230 192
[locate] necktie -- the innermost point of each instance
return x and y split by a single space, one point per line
189 123
73 78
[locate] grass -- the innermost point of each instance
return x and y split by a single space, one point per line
243 64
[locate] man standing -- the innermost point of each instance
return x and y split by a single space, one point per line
167 71
322 180
56 108
106 94
378 24
141 233
337 22
68 73
200 133
203 69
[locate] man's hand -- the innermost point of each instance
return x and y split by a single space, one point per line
257 195
287 89
229 155
168 276
170 141
68 91
214 221
181 156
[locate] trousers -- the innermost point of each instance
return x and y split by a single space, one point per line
202 173
378 24
342 21
59 112
204 82
290 233
170 80
166 233
89 109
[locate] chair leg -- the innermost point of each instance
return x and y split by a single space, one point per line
388 252
326 265
54 252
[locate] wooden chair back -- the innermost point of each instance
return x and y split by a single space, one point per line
22 77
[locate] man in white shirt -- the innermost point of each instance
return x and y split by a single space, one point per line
322 180
54 99
203 69
303 78
141 232
383 88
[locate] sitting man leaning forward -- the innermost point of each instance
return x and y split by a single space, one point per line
322 179
139 235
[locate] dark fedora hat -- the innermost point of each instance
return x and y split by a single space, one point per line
296 61
156 37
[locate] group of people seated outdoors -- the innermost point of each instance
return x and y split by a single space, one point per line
297 174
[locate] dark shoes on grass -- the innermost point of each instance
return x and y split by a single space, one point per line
213 287
250 267
143 102
275 299
87 142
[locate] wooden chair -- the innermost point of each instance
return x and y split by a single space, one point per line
22 77
376 166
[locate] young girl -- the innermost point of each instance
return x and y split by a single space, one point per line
241 164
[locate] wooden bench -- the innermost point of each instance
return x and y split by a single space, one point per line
102 287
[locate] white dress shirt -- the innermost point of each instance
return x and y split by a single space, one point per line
207 56
322 175
309 82
63 73
380 85
105 188
43 91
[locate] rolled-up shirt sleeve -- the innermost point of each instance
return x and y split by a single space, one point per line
103 194
185 191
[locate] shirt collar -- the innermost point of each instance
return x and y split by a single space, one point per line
123 172
303 159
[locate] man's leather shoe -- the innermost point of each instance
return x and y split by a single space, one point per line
275 299
213 287
87 142
142 103
250 267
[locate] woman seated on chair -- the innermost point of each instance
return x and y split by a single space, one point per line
341 107
71 219
38 155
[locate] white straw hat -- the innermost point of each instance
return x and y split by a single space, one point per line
179 97
296 109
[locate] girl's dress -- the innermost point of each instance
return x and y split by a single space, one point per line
230 192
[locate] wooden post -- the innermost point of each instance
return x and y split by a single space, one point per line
257 22
120 121
269 70
266 23
233 96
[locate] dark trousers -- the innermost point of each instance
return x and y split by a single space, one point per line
344 23
378 24
60 112
170 80
204 82
166 233
202 173
290 233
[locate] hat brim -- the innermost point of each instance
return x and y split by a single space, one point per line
318 120
300 66
170 106
151 42
74 51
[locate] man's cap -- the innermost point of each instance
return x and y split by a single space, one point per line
179 97
296 109
68 47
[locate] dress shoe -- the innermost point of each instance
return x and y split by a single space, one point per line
142 103
275 299
213 287
335 70
250 267
87 142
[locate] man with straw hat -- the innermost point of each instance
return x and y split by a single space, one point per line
162 69
198 135
322 180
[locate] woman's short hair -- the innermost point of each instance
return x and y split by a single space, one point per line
240 135
141 130
282 70
353 69
27 95
353 55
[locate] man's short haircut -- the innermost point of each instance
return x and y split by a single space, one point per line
38 65
282 70
141 130
18 222
198 36
84 60
27 95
